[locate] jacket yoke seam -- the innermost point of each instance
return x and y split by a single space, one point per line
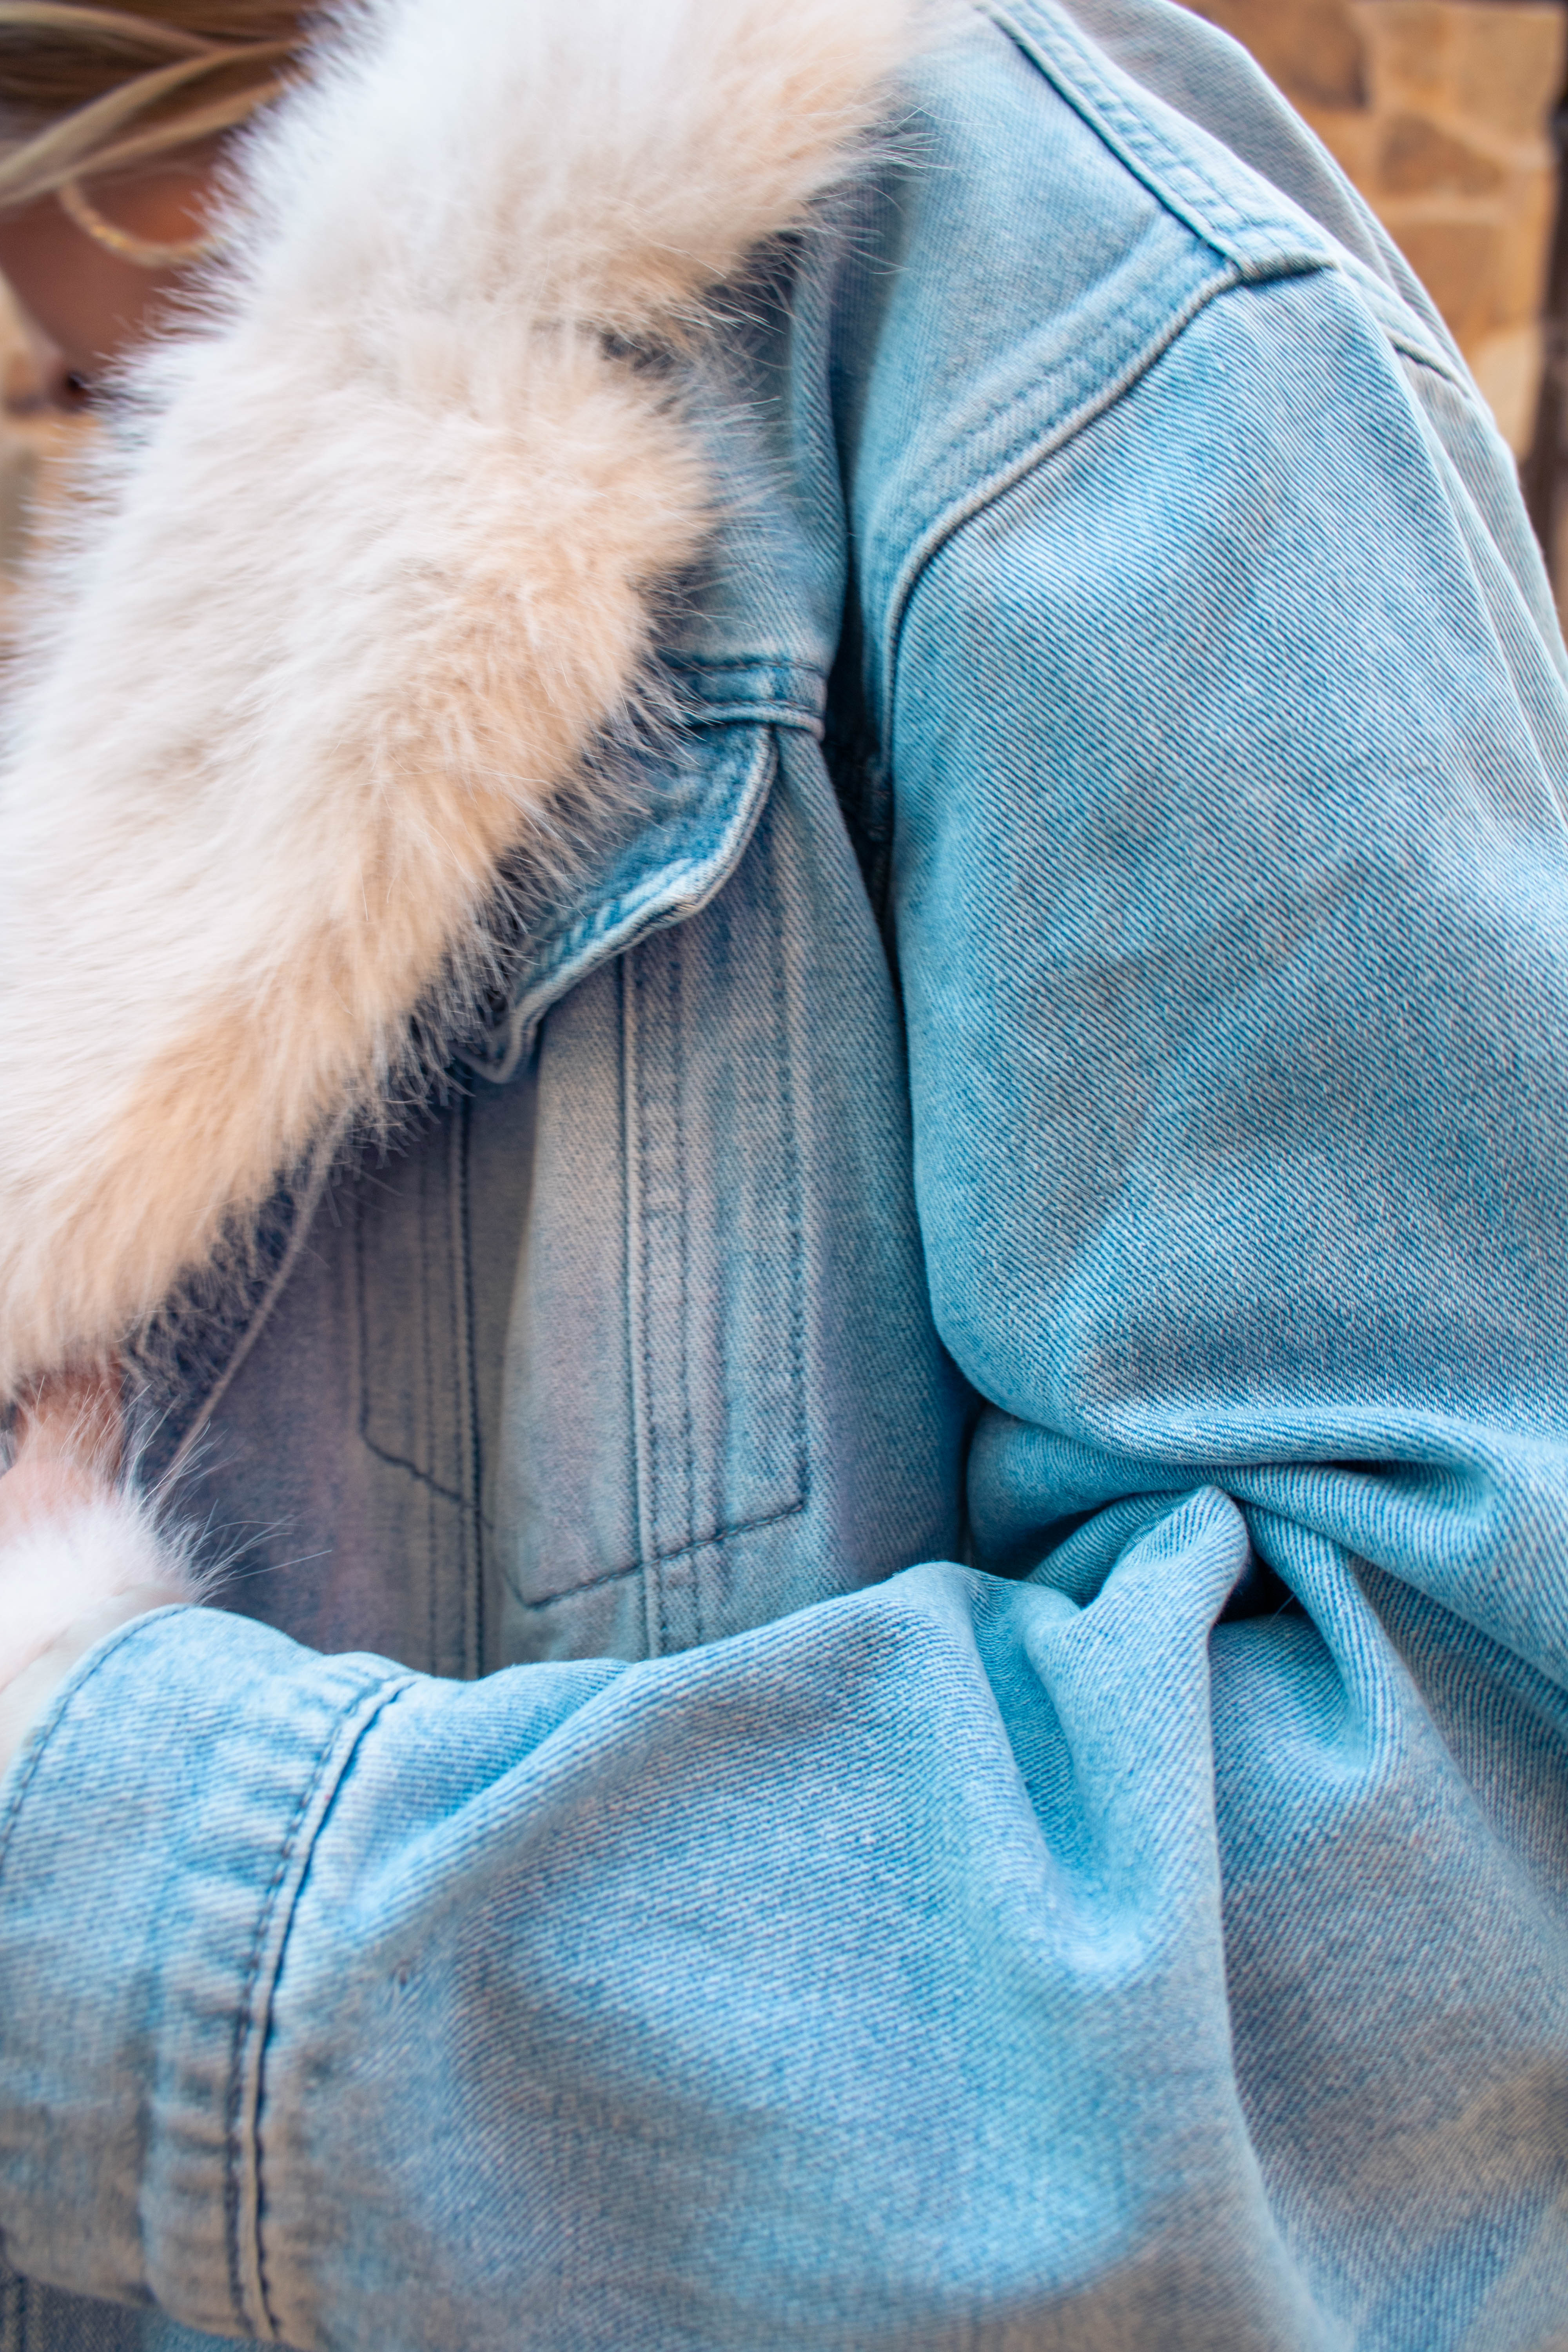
1053 435
1401 332
1250 247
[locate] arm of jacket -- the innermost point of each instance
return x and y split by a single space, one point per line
987 1958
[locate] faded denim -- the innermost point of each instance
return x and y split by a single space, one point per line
983 1384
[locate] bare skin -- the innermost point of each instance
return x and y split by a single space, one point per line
67 1450
89 307
92 306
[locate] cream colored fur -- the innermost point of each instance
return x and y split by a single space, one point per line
375 579
55 1571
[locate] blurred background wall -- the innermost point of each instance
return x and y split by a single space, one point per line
1442 111
1451 117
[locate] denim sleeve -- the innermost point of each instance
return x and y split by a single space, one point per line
1232 918
1161 1942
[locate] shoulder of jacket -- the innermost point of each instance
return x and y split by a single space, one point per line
1197 177
1063 224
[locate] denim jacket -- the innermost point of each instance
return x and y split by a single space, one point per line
894 1662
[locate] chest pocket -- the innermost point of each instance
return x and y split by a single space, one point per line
655 1408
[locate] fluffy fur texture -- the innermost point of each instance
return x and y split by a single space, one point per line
374 580
56 1572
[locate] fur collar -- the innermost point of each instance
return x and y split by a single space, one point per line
374 580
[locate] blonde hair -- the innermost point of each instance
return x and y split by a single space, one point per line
87 90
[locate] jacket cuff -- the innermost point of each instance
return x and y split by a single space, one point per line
154 1834
67 1581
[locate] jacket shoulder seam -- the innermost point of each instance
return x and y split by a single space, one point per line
1258 243
1035 448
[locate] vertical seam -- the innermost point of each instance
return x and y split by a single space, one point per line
784 997
424 1437
305 1205
243 2104
637 1366
14 2328
471 1470
234 2199
645 1265
650 1405
356 1204
675 951
424 1433
243 2202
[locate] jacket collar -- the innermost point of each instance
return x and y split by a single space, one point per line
364 594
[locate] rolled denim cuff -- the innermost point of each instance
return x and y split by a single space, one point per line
154 1834
27 1694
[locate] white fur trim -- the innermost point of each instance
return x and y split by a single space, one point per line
59 1570
373 581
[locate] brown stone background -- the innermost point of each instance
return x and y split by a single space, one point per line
1440 110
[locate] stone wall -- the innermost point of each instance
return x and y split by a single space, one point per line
1439 111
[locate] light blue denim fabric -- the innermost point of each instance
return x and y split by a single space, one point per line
990 1372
